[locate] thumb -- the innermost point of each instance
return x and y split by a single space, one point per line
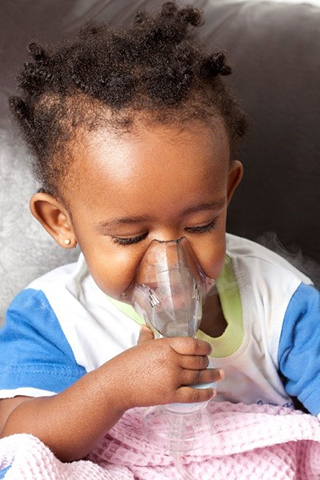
146 334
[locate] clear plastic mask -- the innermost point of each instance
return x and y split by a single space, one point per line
169 289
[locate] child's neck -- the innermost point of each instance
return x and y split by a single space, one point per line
213 322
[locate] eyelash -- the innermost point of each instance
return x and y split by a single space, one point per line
203 229
129 241
197 230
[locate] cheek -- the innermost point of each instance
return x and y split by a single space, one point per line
211 254
213 262
112 268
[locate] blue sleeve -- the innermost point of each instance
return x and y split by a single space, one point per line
299 348
34 350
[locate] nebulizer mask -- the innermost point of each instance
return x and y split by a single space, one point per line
168 293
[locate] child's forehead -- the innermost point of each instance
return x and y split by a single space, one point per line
148 154
155 172
150 139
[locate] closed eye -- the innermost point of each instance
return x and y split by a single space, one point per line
132 240
202 229
129 240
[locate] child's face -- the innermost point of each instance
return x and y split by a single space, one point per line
158 182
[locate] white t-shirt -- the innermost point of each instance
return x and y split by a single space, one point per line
62 326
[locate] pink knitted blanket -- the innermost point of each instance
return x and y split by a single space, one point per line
249 442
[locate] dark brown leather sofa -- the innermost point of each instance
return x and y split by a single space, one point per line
275 50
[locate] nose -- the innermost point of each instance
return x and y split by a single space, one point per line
169 255
163 255
168 235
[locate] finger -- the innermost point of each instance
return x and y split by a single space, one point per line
190 346
198 377
194 362
146 334
194 395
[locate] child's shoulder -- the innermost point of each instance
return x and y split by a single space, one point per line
57 287
63 276
257 259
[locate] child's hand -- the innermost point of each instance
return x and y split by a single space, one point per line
161 371
152 373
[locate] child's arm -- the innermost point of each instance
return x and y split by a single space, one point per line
73 421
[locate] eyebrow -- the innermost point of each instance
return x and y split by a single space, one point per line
139 219
121 221
206 206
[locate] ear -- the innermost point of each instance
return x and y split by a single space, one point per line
234 177
54 217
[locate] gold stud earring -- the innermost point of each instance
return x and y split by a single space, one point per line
67 241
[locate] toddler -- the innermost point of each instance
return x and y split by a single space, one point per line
135 137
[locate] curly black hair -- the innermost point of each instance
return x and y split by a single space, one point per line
157 68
